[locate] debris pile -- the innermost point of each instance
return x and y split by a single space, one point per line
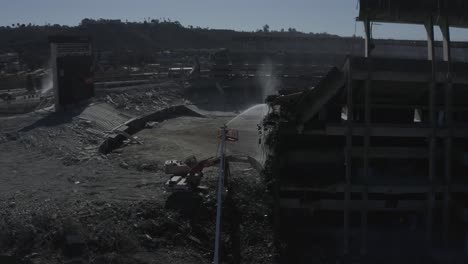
93 231
103 231
91 225
145 100
5 137
72 142
137 164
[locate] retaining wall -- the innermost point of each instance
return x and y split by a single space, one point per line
134 125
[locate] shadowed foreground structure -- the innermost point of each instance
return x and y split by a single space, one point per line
370 165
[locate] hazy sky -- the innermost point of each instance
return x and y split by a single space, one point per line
333 16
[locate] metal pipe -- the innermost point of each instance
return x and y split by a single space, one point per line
219 206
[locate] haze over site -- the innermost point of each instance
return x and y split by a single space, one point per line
332 16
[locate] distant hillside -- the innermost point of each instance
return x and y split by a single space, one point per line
138 42
30 41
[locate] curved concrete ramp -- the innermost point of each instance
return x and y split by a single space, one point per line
116 137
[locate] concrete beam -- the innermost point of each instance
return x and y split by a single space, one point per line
381 130
356 205
373 189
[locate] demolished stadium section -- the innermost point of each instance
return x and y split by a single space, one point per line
317 156
370 164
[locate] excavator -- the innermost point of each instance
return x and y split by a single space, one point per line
186 176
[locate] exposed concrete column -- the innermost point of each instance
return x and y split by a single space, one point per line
366 156
429 25
433 124
445 29
348 151
367 120
368 36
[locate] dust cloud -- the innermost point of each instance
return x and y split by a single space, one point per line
47 84
267 78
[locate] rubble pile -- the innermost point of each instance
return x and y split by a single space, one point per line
91 228
251 204
5 137
147 99
71 142
102 231
75 139
248 235
93 231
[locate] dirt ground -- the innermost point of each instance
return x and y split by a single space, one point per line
52 195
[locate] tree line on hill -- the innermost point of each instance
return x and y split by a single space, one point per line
31 41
